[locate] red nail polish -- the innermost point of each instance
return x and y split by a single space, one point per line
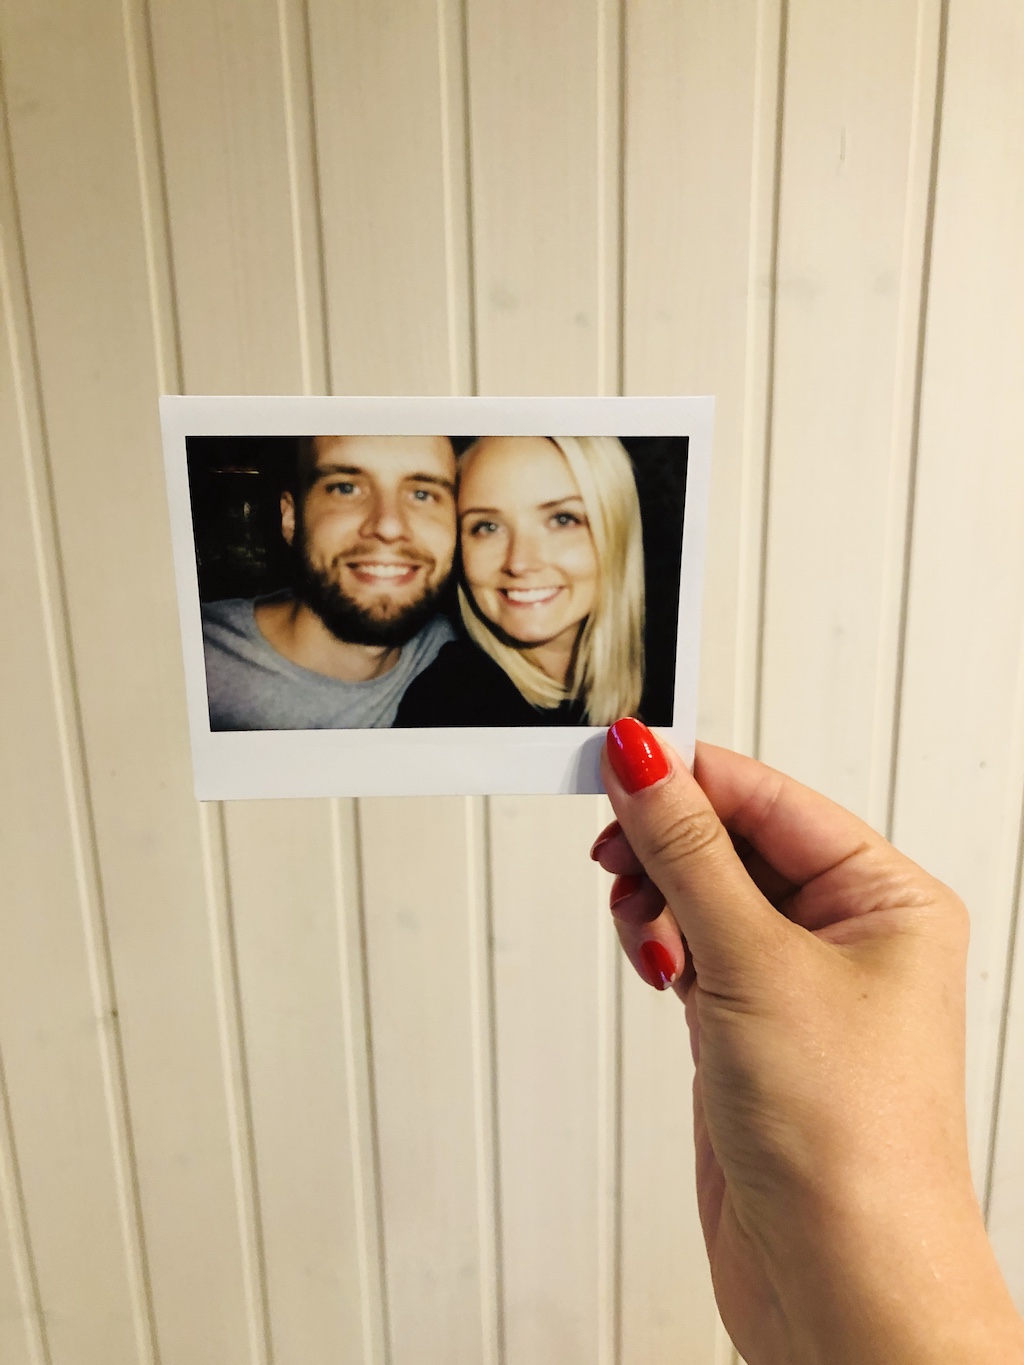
635 755
624 885
658 967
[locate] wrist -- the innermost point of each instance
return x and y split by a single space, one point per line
914 1284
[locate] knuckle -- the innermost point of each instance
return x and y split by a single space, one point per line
684 835
959 918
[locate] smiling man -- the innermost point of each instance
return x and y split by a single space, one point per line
371 523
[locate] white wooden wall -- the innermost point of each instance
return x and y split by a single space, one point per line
363 1082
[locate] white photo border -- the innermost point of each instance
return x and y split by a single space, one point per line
437 762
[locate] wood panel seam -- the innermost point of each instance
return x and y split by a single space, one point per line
457 194
307 255
362 1108
1002 1042
488 1133
769 377
888 814
611 198
153 201
609 1027
231 1028
12 1202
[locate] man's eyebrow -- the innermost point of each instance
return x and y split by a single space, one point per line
328 471
325 471
432 478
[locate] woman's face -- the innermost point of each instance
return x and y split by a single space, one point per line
527 552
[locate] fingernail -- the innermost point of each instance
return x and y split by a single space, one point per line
657 964
602 839
626 884
635 755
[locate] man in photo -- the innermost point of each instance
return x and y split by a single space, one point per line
371 525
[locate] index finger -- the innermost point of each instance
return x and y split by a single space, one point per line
687 853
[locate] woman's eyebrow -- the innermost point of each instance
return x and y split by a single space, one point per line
557 502
543 506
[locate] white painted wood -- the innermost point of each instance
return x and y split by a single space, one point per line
237 169
668 1306
234 1065
390 91
76 144
699 246
21 1328
856 134
420 906
298 959
67 1185
329 1121
286 936
552 1086
543 200
961 752
699 250
388 85
544 139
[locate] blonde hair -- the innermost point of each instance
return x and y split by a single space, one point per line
607 669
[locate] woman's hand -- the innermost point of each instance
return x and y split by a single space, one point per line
823 976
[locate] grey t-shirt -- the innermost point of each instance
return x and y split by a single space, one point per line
252 687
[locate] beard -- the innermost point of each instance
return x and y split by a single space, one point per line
389 624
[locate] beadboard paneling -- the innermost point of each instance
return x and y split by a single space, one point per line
366 1081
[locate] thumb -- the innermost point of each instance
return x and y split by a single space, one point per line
686 851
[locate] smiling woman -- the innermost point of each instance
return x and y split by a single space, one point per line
551 591
528 554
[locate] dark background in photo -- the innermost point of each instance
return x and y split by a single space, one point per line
236 482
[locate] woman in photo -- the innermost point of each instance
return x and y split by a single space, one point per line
551 589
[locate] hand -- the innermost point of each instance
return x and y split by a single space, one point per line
823 975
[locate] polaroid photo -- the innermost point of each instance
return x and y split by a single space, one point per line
387 610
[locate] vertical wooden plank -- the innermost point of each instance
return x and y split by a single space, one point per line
288 935
545 148
305 1069
242 272
304 193
543 198
81 130
961 750
548 925
856 150
61 1060
420 973
702 95
22 1337
396 273
235 1073
66 1160
388 86
389 91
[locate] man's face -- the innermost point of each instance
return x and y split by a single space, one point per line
374 534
